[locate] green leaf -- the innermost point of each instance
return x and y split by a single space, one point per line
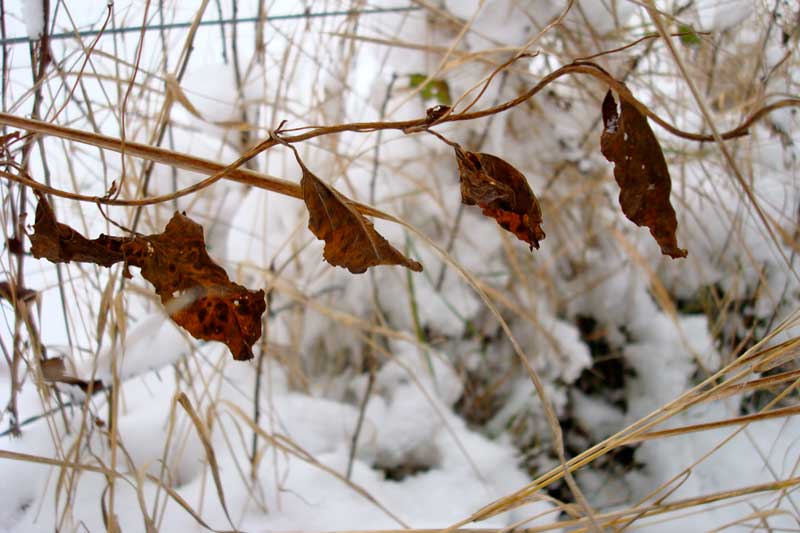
415 80
435 89
688 35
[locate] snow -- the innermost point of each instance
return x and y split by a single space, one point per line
155 342
737 466
409 428
33 15
725 15
600 419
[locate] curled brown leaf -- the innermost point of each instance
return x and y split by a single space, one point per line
502 192
641 172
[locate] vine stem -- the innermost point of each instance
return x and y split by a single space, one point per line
217 172
160 155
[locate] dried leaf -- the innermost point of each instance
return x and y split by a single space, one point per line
14 245
197 292
502 192
175 90
641 172
10 292
350 239
54 371
61 244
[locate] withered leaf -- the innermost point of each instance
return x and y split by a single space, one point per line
54 371
502 193
61 244
196 292
9 291
641 172
350 239
15 246
432 114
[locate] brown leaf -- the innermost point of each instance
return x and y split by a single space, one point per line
8 290
15 246
641 172
197 292
175 90
502 193
350 239
54 371
61 244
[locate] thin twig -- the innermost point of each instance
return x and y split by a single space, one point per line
362 410
123 111
257 389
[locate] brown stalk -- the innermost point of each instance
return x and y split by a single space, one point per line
159 155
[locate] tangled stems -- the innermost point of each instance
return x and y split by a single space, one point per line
217 172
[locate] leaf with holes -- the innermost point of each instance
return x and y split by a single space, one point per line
196 292
641 172
350 239
502 193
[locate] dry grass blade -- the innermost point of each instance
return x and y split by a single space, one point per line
175 91
700 393
186 507
753 385
211 457
38 459
735 421
778 355
149 525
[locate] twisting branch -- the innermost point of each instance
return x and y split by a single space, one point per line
217 172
